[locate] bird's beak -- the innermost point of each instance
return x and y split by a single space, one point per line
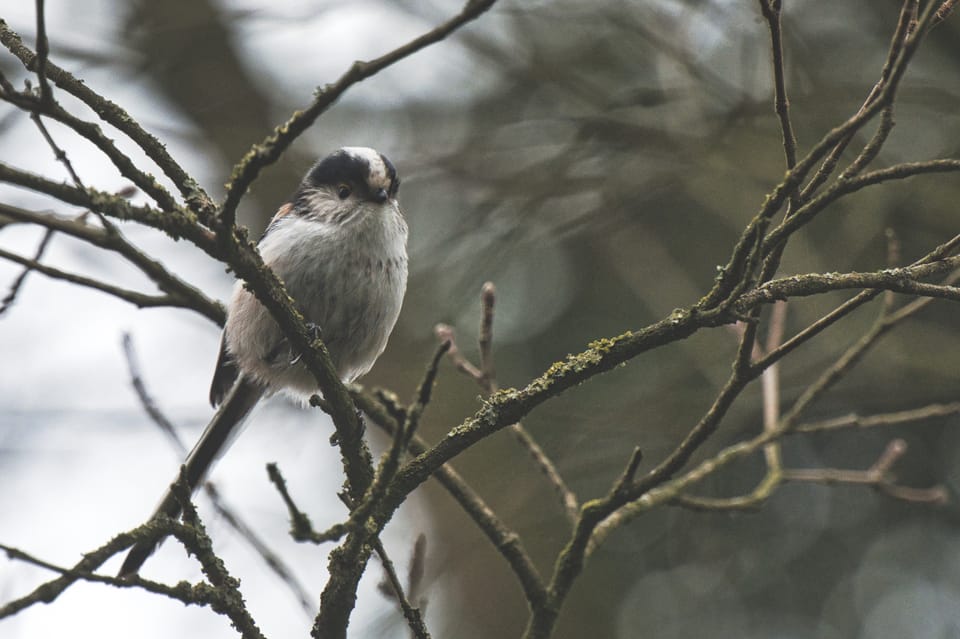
379 196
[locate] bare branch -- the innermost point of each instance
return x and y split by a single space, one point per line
883 419
7 303
735 273
672 491
900 280
136 298
488 296
485 377
301 529
877 476
111 239
771 10
811 209
177 224
222 595
770 384
446 333
907 16
269 150
43 51
111 113
410 613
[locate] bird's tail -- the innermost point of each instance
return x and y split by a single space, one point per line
214 441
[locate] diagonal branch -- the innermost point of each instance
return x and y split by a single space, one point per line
908 16
177 224
112 240
113 114
805 214
736 272
272 147
396 590
141 300
7 302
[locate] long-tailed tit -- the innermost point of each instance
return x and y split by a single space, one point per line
340 247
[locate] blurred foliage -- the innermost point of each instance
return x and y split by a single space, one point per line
599 169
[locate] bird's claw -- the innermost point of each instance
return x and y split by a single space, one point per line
315 333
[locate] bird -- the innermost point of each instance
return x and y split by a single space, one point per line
339 244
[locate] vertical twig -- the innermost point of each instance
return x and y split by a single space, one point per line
43 52
771 10
893 260
488 297
485 376
770 384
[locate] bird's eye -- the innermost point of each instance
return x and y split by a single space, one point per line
343 191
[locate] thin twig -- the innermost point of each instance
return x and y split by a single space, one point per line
58 152
854 420
771 10
877 476
43 52
136 298
902 280
485 376
808 212
410 613
111 113
7 303
630 472
422 397
488 297
301 529
770 385
198 594
111 239
671 491
897 41
270 149
893 260
446 333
